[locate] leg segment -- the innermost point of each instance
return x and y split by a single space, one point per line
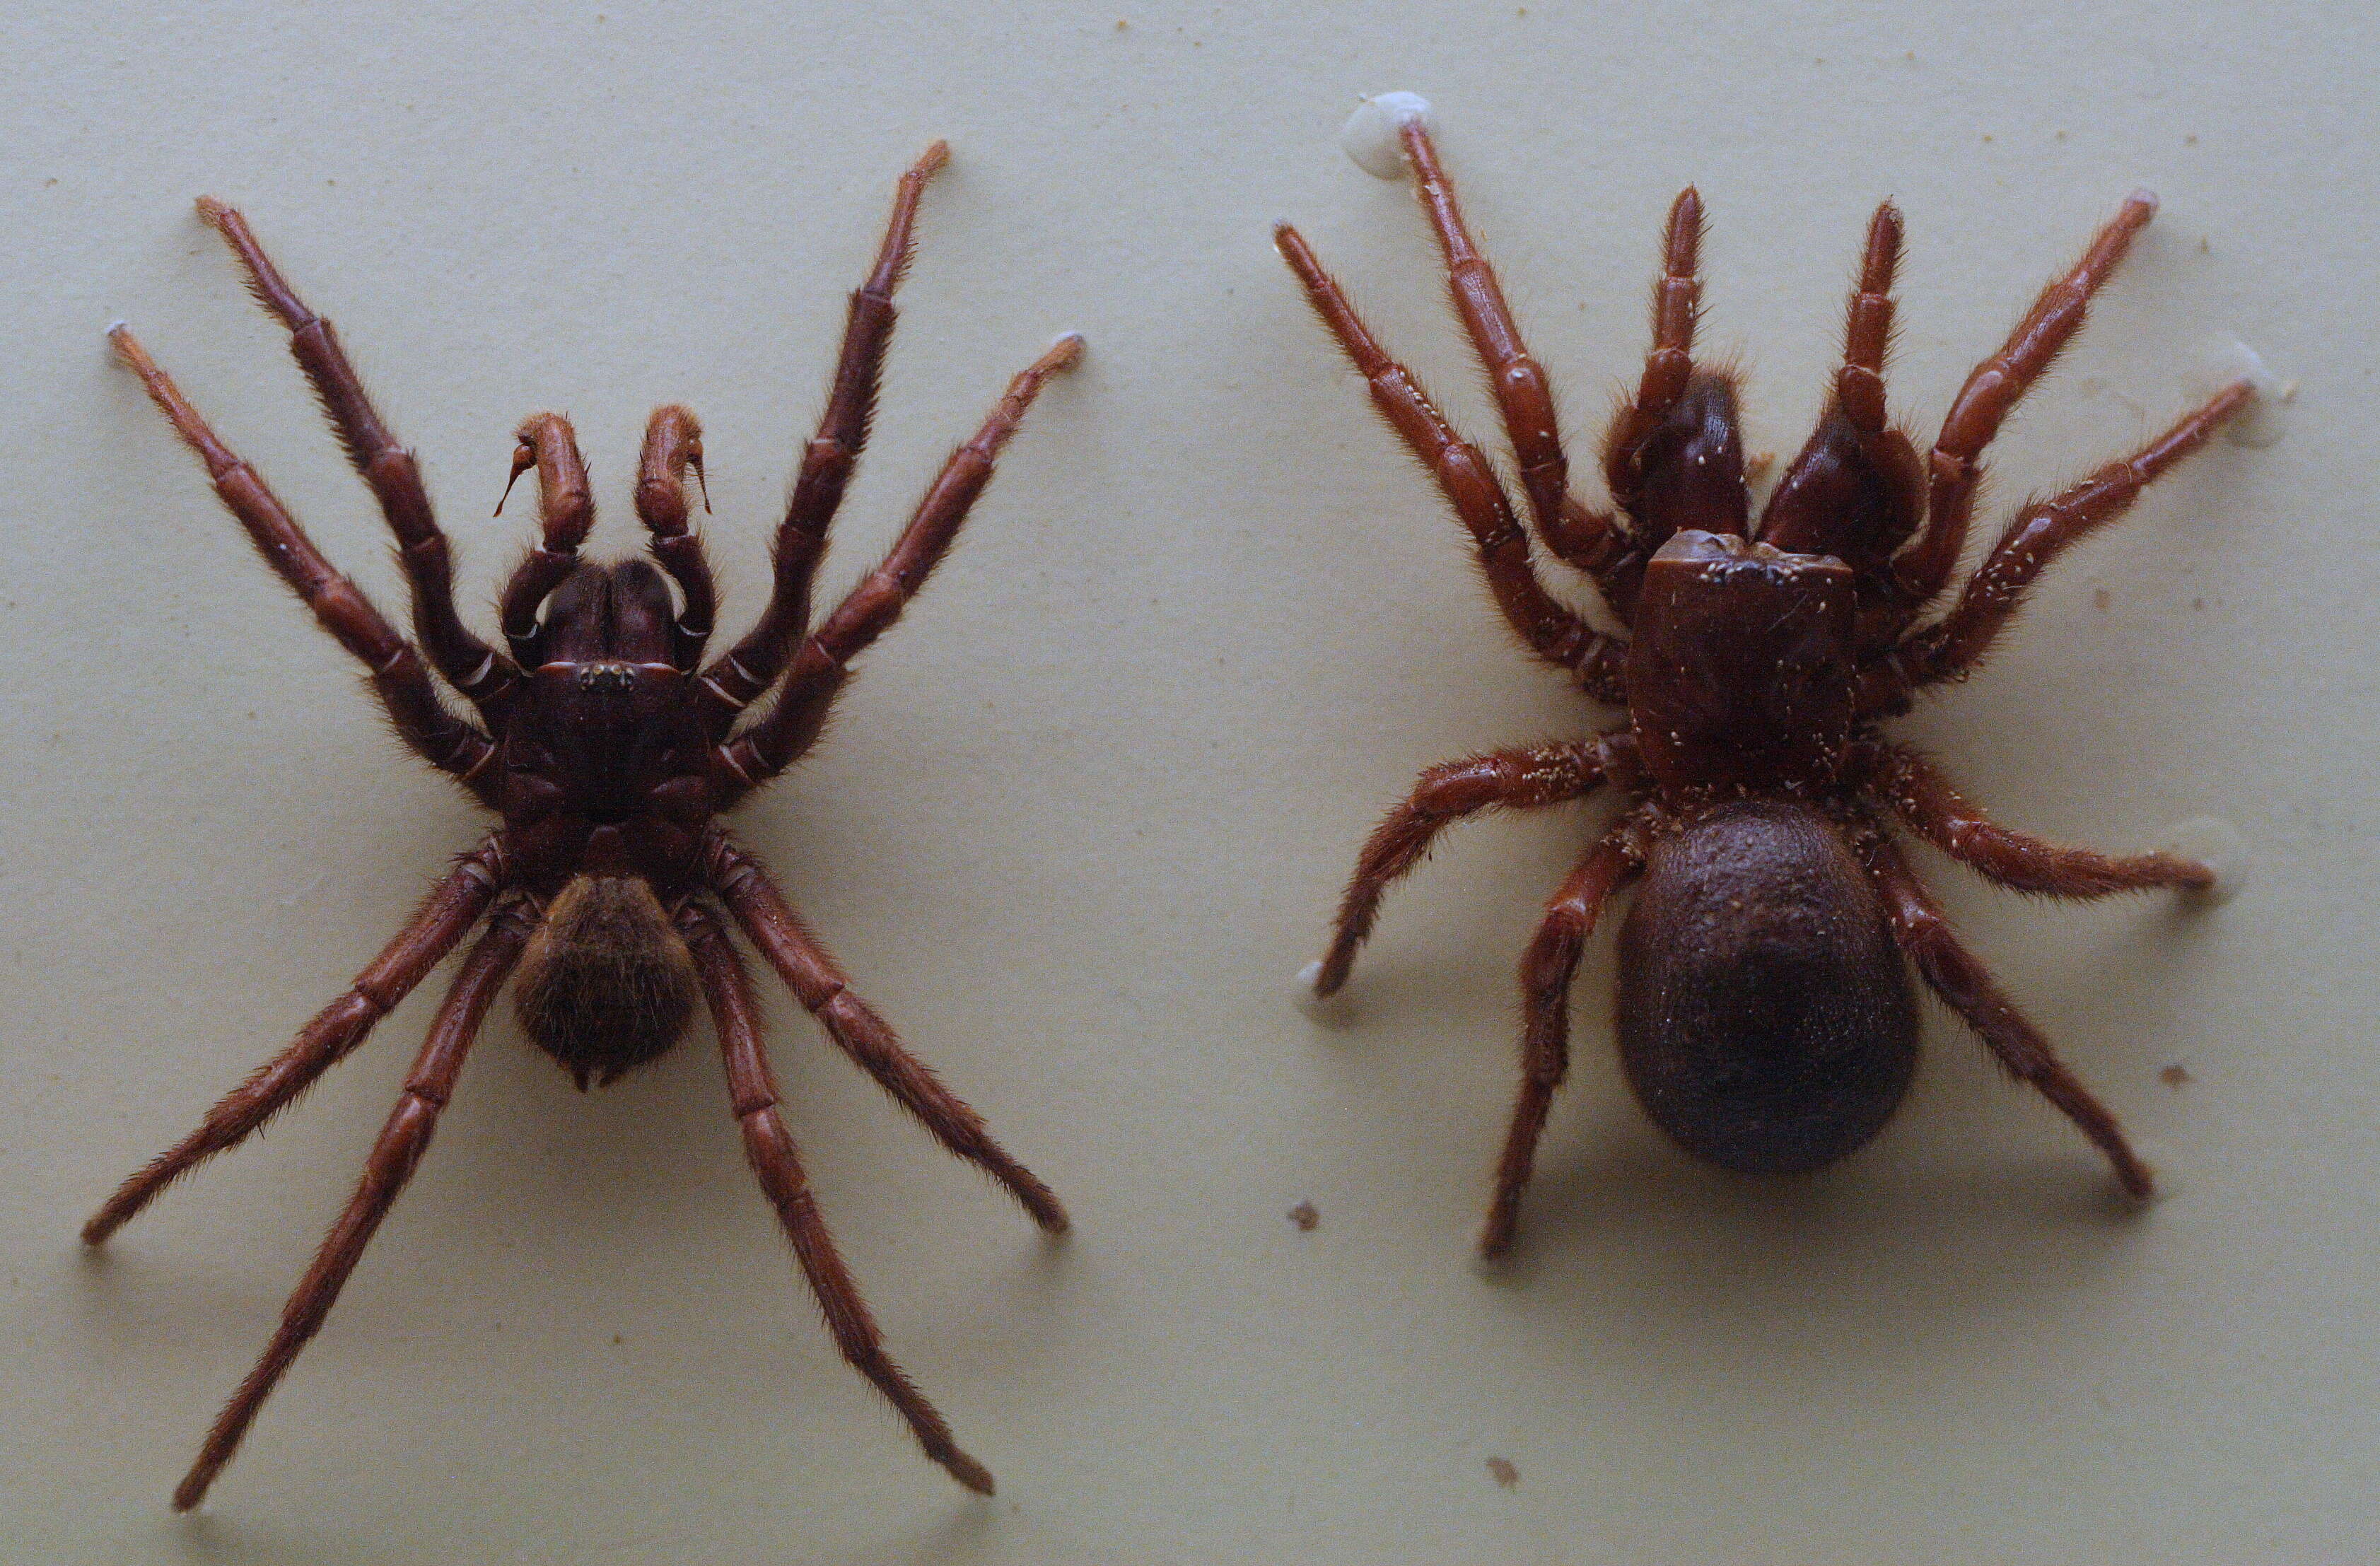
754 663
752 1088
820 670
672 444
1547 628
436 734
1545 775
1590 540
1957 976
452 908
1919 793
1546 973
1994 388
468 663
1950 649
807 969
565 510
393 1158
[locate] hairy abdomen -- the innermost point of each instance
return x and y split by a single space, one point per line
606 984
1765 1017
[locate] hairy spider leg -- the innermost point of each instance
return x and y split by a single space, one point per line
1549 628
398 677
566 512
1916 788
447 914
786 732
1592 540
672 444
1955 469
1950 649
753 665
468 664
1546 973
810 972
394 1158
1955 974
752 1092
1522 779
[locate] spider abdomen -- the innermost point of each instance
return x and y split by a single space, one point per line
605 984
1764 1019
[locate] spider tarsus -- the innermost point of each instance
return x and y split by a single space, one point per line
968 1472
929 163
1065 352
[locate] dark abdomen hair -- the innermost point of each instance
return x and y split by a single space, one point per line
606 984
1765 1017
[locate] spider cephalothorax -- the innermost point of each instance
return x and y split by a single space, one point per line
609 747
1764 1016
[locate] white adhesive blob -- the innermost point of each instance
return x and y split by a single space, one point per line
1330 1011
1370 134
2219 362
2216 844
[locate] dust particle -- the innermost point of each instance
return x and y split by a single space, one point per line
1502 1470
2175 1075
2198 603
2101 598
1305 1214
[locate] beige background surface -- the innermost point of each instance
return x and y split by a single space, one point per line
1085 815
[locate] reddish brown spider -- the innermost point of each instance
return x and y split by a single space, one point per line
609 749
1764 1019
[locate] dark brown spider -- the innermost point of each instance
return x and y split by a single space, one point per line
609 749
1764 1019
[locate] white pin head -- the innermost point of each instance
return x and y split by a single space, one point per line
1371 134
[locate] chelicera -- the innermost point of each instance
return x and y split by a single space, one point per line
1764 1018
610 749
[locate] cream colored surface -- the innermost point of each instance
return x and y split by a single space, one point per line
1084 816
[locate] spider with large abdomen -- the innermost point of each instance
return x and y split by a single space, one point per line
1764 1019
610 749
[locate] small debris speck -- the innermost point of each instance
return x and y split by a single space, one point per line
1305 1214
2101 598
2198 603
2175 1075
1502 1470
615 1337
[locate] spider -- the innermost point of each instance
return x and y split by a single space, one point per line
609 749
1764 1013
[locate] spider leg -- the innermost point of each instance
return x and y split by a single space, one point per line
810 972
781 737
752 1088
1993 390
565 510
452 906
1950 649
1522 779
1592 540
1546 973
468 663
672 444
1673 457
1546 627
394 1158
753 665
1955 974
436 734
1919 793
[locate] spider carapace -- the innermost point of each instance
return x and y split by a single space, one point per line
609 747
1764 1016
